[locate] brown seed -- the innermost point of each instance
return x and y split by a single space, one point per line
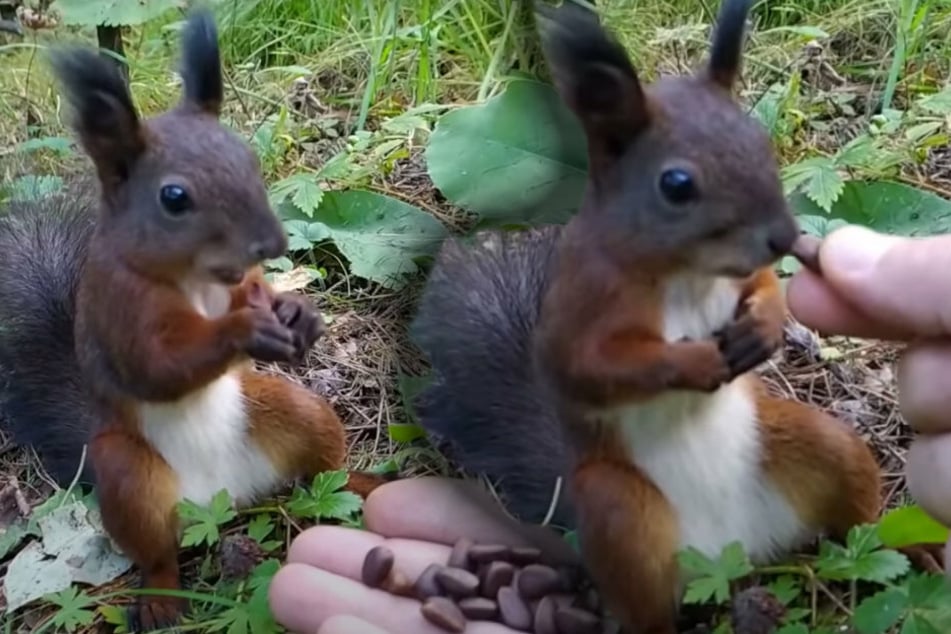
397 583
443 613
377 566
485 553
524 555
458 582
426 585
536 580
479 608
459 557
513 610
545 616
496 575
806 250
576 621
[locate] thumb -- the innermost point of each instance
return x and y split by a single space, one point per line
899 281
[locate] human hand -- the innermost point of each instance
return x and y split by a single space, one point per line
898 289
319 590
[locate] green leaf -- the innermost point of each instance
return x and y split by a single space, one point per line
205 520
825 187
382 237
113 12
303 191
259 528
712 577
519 157
60 145
785 588
908 525
861 558
73 611
820 226
324 500
885 206
114 615
938 103
879 612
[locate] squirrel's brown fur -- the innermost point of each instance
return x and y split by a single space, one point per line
617 352
131 324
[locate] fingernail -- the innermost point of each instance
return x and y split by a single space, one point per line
854 250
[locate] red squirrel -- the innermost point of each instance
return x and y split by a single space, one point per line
132 323
618 352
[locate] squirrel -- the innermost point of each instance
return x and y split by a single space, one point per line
132 320
615 355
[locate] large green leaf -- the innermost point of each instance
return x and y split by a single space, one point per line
382 237
518 158
885 206
113 12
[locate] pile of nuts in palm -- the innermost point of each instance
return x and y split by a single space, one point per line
488 582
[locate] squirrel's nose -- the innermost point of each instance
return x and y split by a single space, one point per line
782 235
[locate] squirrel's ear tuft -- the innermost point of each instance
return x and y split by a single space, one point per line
593 74
726 51
104 116
201 63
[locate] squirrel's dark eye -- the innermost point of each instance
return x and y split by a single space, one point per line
677 185
175 199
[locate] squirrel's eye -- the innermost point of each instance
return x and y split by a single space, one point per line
174 199
677 185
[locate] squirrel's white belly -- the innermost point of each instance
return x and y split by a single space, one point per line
704 453
204 438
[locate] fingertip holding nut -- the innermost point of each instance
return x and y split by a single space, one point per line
806 250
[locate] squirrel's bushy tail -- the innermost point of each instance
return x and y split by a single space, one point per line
484 408
42 402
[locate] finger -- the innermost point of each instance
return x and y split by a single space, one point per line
924 386
901 281
928 471
342 550
817 305
447 509
346 624
303 598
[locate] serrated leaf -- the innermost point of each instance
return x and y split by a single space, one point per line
712 577
885 206
381 237
799 174
819 226
323 500
825 187
519 157
908 525
113 12
205 520
260 527
302 190
73 611
860 558
114 615
785 588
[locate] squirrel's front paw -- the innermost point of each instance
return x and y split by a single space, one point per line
299 314
267 339
748 342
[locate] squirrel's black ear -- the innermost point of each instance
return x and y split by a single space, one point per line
104 117
726 51
201 63
593 75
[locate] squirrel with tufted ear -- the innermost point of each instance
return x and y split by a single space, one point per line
618 352
132 320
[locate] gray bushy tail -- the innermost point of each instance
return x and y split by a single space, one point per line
42 400
485 409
